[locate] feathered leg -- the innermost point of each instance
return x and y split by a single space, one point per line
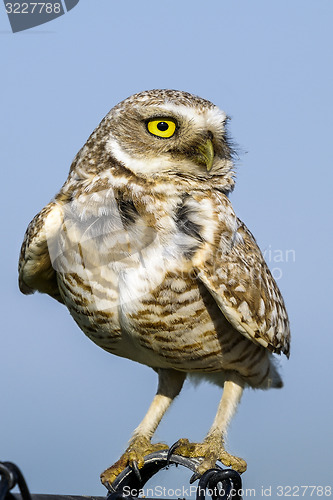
212 448
170 383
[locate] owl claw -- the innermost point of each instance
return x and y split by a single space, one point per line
194 477
210 451
135 468
133 457
171 450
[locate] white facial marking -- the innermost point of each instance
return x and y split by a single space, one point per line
207 119
143 166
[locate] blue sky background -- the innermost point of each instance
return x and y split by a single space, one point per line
67 407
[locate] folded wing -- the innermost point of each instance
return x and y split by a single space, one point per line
35 266
246 293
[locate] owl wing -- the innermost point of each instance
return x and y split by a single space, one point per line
246 292
35 266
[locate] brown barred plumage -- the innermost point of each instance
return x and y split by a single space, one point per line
143 247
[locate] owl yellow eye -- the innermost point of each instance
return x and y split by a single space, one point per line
161 128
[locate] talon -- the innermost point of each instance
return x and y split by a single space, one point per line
210 450
171 450
133 457
135 469
194 477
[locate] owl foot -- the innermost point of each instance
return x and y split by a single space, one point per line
210 451
134 457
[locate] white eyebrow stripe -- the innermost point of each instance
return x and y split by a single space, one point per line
212 117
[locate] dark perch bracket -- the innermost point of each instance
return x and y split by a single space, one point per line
218 483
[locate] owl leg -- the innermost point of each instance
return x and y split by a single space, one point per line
170 383
212 448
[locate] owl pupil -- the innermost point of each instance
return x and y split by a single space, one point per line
162 126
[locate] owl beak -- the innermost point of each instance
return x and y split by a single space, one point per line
205 154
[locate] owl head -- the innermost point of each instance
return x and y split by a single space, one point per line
158 134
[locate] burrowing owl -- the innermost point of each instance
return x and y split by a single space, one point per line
143 247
